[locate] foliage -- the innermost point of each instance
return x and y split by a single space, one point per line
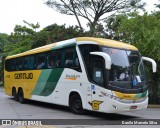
3 42
55 33
112 27
19 41
24 38
93 10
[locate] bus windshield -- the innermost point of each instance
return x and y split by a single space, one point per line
127 71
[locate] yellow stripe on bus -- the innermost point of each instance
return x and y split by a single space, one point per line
125 96
108 42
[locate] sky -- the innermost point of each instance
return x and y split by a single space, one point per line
13 12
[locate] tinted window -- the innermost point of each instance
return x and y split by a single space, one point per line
8 65
54 59
70 59
61 58
41 61
117 55
29 63
19 64
87 58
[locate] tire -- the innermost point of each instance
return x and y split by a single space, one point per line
14 94
75 104
21 96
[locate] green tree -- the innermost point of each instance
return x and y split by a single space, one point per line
3 42
54 33
112 27
21 39
93 10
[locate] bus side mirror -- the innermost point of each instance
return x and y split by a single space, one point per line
154 65
106 58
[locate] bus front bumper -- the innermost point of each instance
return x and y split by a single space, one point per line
116 106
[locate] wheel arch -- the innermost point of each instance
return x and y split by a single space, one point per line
20 88
13 89
72 92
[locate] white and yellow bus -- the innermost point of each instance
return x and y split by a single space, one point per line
83 73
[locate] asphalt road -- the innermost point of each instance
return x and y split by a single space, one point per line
10 109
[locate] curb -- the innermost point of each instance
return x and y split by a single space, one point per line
153 106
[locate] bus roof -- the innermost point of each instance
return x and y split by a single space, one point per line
78 40
107 42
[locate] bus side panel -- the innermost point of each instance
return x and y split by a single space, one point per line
72 81
21 79
7 83
48 81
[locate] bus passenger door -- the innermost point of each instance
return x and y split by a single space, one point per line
97 86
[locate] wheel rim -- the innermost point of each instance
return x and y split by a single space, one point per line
14 94
77 105
20 96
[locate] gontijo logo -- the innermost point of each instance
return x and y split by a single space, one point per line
23 76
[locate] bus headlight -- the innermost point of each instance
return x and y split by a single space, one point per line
114 97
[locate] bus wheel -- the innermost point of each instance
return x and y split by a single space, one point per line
75 104
21 96
14 94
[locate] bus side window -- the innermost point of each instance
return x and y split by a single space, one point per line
58 58
76 64
51 60
25 63
8 65
71 59
68 57
20 64
41 61
85 52
54 59
30 63
14 67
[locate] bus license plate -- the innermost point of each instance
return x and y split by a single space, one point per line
133 107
